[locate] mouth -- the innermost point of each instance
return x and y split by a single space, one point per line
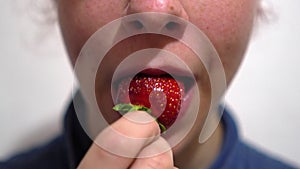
167 94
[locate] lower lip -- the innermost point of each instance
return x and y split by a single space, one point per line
187 99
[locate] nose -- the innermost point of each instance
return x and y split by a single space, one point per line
173 7
161 15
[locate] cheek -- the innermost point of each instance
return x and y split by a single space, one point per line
80 19
228 24
226 19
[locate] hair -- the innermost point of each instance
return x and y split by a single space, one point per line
265 12
44 11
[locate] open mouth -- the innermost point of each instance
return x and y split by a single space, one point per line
165 94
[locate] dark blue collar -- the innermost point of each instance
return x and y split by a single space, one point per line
230 141
77 141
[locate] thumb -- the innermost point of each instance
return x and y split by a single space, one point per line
156 155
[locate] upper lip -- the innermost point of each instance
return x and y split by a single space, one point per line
187 77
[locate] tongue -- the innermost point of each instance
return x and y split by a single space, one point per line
156 90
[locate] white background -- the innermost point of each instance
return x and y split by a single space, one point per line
36 81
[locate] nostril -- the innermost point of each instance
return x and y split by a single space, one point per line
153 22
172 25
136 24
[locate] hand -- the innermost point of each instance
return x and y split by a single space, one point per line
127 139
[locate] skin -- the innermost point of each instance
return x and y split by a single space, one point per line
227 23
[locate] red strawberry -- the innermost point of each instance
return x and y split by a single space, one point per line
155 89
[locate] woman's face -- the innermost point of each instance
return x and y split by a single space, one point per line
227 23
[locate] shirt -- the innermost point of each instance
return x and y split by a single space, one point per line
67 150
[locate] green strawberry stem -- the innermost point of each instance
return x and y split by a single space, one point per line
125 108
161 126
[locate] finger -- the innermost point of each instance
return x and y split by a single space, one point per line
118 145
157 155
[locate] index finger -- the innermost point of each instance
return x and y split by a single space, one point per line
118 145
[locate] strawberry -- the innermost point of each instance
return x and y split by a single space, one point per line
155 89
